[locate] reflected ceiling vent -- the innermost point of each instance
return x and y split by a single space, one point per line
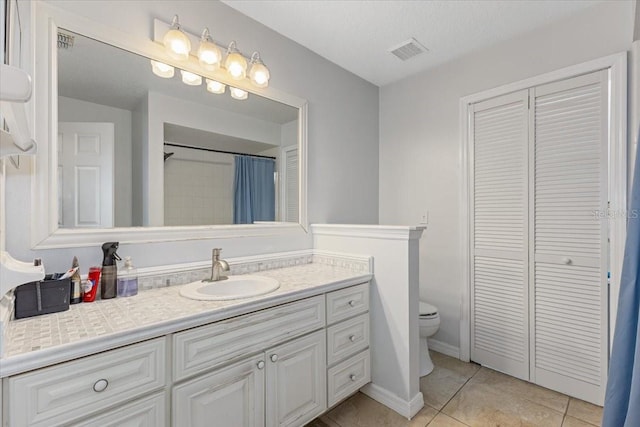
408 49
65 41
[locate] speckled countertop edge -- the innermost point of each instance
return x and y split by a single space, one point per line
105 325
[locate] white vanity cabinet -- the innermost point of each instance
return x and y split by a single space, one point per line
348 358
276 367
282 384
71 391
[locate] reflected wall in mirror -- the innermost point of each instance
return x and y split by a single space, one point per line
224 161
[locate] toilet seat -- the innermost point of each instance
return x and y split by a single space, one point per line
427 310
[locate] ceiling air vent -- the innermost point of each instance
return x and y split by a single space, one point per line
65 41
408 49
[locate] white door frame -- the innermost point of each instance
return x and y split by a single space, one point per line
617 64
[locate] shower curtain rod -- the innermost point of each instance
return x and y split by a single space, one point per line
171 144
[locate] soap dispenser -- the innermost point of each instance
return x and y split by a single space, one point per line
127 279
108 281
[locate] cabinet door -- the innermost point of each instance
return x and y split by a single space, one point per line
296 381
228 397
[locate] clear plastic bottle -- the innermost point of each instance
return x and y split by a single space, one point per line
127 279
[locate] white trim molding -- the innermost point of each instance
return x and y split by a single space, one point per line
405 408
444 348
618 178
388 232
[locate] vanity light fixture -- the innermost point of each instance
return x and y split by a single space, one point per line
209 55
215 86
259 73
162 70
176 42
235 63
238 93
191 79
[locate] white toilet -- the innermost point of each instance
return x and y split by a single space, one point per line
429 324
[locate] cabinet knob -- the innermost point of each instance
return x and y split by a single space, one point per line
352 303
352 338
566 260
352 377
274 357
260 364
100 385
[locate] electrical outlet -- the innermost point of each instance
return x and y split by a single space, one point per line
424 218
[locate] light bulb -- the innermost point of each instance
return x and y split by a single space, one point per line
259 73
215 87
190 79
238 93
209 54
162 70
176 42
235 63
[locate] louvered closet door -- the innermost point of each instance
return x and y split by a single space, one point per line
499 226
569 269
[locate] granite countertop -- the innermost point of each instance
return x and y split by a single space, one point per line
90 328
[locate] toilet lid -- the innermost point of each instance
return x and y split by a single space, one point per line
427 309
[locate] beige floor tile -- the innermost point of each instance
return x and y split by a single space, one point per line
362 411
513 386
480 405
585 411
322 421
448 376
442 420
574 422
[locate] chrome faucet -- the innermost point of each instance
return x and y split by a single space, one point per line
217 266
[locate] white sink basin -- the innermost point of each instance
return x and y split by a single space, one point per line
234 287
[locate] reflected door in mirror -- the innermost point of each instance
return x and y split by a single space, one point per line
85 174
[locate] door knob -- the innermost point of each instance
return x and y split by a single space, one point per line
352 338
352 377
274 357
100 385
260 364
352 303
566 260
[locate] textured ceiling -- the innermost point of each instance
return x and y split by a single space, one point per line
357 34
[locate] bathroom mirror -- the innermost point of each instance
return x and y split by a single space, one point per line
112 108
150 158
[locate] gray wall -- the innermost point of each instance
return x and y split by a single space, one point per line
636 29
420 168
343 130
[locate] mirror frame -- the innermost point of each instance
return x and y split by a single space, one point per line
44 196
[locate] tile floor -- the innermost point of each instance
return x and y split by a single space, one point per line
458 394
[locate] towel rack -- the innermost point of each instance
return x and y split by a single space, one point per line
15 90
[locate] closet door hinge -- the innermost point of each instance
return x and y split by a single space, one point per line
529 102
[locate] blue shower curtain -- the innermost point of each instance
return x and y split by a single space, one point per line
622 401
254 190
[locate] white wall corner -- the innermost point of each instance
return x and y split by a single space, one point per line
406 408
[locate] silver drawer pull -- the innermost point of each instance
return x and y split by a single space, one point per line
352 303
100 385
352 377
274 357
352 338
260 364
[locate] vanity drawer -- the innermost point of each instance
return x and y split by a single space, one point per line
347 303
149 411
62 393
346 338
206 347
347 377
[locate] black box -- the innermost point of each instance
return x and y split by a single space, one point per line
43 297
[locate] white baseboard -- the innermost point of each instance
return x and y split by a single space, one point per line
444 348
405 408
